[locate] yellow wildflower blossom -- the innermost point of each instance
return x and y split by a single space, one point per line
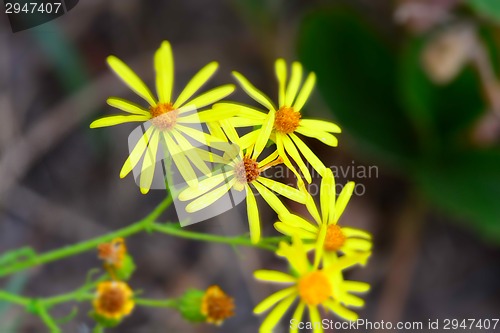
216 305
312 287
170 119
113 300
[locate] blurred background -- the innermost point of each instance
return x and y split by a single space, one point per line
413 84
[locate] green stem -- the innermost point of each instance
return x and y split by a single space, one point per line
47 319
98 329
88 245
164 303
16 299
173 230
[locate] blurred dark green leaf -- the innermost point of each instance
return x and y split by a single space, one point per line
356 76
486 8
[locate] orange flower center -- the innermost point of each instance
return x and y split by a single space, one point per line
335 238
247 170
163 116
286 120
216 305
112 300
314 288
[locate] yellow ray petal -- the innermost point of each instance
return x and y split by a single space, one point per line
340 311
274 276
285 190
327 196
180 160
131 79
137 152
249 139
326 138
320 245
308 154
276 314
356 286
311 205
294 154
208 97
353 301
253 92
164 66
281 151
295 254
149 164
271 199
116 120
230 131
191 152
271 300
214 114
210 197
270 158
315 319
198 135
198 80
127 106
353 232
320 125
280 69
343 200
265 132
294 84
299 222
358 244
297 317
289 230
215 129
253 216
203 187
244 122
244 111
305 92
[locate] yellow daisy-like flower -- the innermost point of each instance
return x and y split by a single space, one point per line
243 173
325 229
216 305
283 123
170 119
312 286
113 300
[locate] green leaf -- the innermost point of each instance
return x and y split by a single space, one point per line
467 186
487 8
356 75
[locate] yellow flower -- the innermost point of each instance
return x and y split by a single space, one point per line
113 300
216 305
169 119
282 123
325 229
243 173
312 286
113 252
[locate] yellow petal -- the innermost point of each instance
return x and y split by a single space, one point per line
249 139
131 79
343 200
294 154
276 314
320 245
243 111
271 199
244 122
210 197
299 222
356 286
285 190
280 68
265 132
215 130
352 232
116 120
164 66
308 154
180 160
352 301
358 244
149 164
305 92
281 150
203 187
326 138
127 106
270 301
274 276
191 152
320 125
289 230
327 196
295 254
208 97
137 152
214 114
230 131
253 216
297 317
196 83
315 319
198 135
294 84
270 158
253 92
341 311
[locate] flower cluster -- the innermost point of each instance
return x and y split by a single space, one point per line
273 137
